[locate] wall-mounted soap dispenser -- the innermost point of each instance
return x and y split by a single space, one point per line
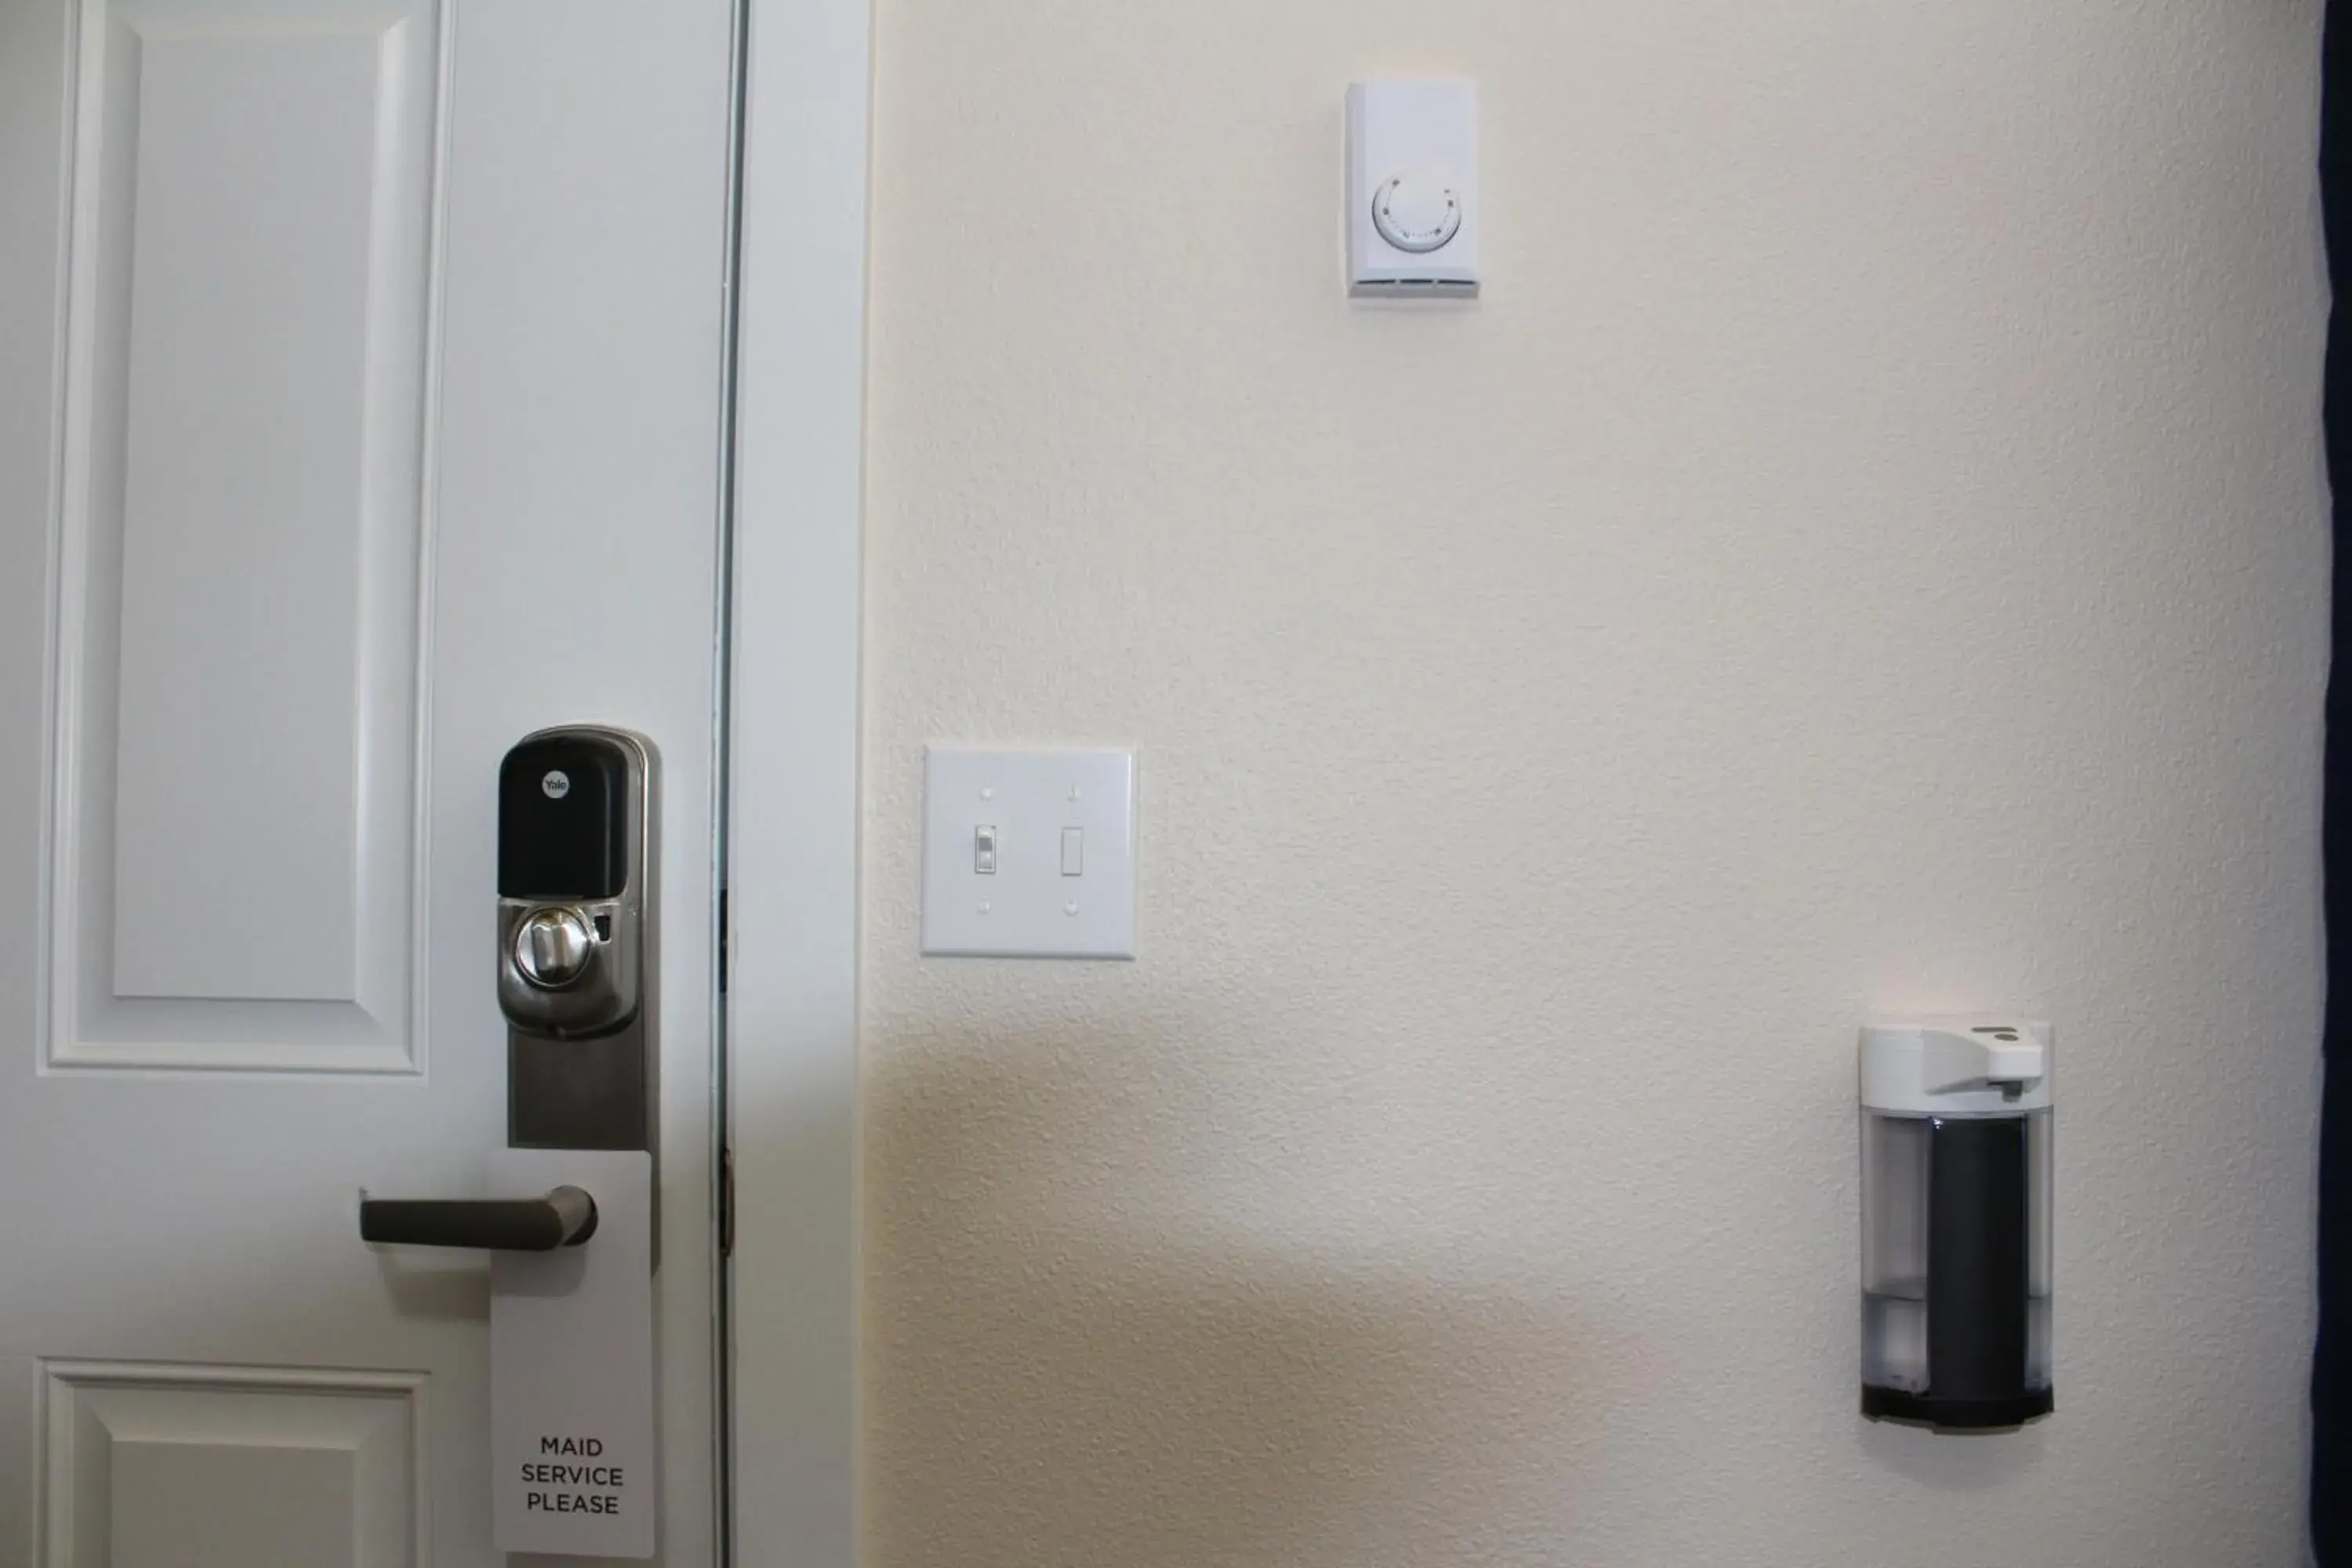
1956 1222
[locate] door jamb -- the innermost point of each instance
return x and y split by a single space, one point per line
791 821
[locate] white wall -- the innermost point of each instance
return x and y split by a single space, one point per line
1865 551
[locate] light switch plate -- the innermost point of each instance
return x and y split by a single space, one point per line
1019 806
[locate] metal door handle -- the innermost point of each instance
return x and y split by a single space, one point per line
566 1216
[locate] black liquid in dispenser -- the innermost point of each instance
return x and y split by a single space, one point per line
1956 1268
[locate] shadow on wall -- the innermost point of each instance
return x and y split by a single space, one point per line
1075 1360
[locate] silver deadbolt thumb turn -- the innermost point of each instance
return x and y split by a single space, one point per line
554 946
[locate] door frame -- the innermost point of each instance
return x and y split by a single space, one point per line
792 779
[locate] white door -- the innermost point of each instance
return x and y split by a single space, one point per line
360 413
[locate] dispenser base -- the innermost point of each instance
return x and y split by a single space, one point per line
1955 1414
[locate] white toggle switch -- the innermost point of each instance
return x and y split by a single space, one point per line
1057 851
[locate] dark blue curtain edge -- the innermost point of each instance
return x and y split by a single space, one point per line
2331 1377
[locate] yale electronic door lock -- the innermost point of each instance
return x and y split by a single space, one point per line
574 937
575 949
571 873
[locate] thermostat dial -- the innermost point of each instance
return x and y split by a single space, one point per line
1417 210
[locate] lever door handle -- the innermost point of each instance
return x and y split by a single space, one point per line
566 1216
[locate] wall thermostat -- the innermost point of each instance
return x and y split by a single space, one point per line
1412 189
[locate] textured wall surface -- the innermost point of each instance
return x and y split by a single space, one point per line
1864 551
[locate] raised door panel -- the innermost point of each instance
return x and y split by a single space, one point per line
243 536
161 1467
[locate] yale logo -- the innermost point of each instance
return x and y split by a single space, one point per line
556 784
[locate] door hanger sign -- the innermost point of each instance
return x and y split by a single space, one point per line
571 1367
